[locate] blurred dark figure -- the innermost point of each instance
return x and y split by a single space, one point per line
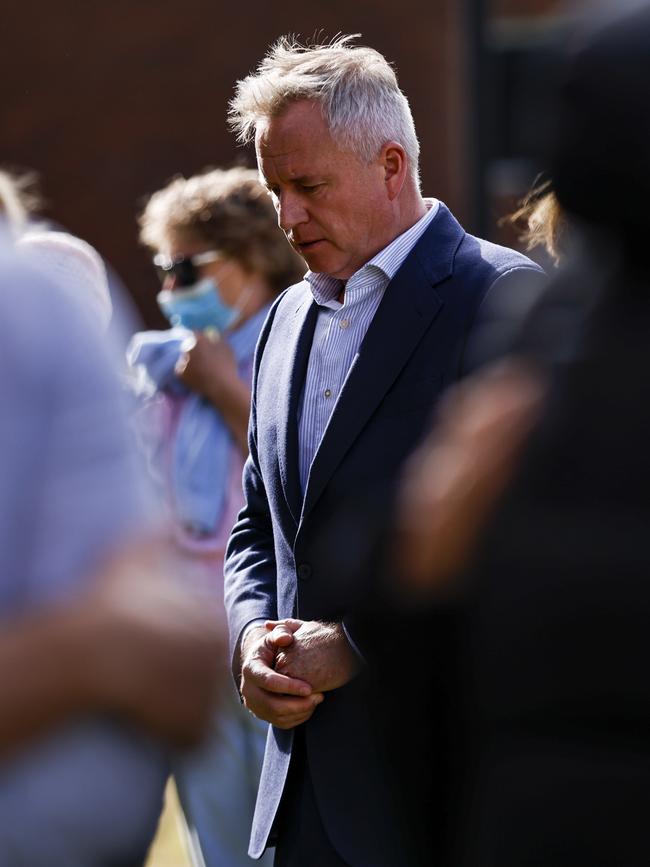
534 488
104 658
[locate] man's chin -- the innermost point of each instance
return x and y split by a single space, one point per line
318 264
323 264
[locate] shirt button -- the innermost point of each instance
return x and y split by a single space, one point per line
304 571
344 323
327 393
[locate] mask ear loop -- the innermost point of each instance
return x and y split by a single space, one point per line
213 334
243 298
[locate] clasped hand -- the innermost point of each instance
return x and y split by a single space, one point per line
207 366
288 665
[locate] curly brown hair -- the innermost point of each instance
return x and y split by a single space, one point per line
231 211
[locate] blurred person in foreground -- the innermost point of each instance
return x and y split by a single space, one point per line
349 365
74 265
222 261
533 514
103 658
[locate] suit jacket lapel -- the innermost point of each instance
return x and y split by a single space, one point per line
300 333
409 305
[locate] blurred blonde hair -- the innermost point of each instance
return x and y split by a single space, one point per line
18 199
230 211
543 221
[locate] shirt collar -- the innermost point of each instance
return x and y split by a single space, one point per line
388 261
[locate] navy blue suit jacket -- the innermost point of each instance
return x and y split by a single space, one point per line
416 345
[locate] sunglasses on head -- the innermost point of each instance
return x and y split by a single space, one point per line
183 268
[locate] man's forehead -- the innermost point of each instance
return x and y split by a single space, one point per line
295 144
300 124
273 168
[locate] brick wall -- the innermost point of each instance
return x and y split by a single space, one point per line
108 100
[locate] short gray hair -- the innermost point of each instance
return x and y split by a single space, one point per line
357 88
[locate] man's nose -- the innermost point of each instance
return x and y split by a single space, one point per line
291 211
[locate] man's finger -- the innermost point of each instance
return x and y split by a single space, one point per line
272 681
280 636
287 720
290 622
294 721
289 707
280 632
282 711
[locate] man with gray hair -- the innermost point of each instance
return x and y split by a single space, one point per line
348 367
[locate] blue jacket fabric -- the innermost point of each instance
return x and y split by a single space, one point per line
419 342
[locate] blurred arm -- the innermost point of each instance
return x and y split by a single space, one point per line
209 368
136 645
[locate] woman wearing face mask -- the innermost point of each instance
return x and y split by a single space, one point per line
222 260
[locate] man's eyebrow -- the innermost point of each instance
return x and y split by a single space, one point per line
307 179
302 179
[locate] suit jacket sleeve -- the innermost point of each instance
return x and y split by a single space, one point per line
498 322
250 570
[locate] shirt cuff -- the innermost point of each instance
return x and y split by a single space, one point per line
259 621
252 624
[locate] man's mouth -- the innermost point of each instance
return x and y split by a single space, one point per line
306 246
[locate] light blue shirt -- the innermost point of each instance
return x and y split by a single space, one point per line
339 332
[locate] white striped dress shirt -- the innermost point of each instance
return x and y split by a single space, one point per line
340 329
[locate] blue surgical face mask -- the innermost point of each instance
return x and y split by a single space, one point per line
198 307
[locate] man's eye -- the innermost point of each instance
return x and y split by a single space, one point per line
309 188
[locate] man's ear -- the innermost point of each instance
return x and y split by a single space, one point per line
395 165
